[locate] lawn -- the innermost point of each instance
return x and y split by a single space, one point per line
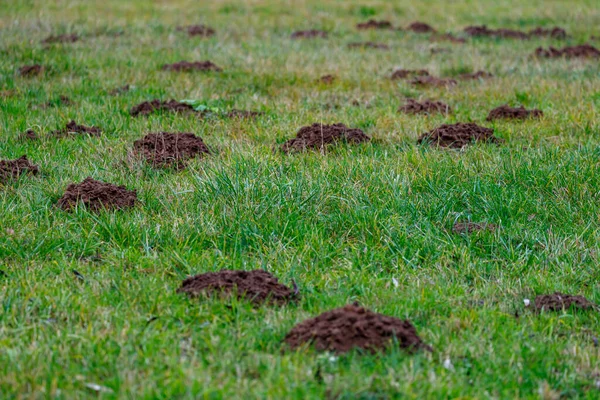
89 302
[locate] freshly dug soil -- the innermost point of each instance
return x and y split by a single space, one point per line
120 90
582 51
257 286
447 37
354 327
317 136
243 114
186 66
420 27
72 128
369 45
425 107
432 81
12 169
483 30
470 227
31 70
310 34
408 73
96 195
475 75
197 30
458 135
373 24
559 301
326 79
65 38
165 149
149 107
507 112
29 134
555 33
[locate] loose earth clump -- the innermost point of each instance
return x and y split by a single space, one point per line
555 33
165 149
559 301
482 30
197 30
368 45
29 134
458 135
432 81
65 38
582 51
326 79
507 112
421 27
373 24
310 34
31 70
96 195
475 75
72 128
471 227
425 107
149 107
354 327
257 286
318 136
408 73
12 169
187 66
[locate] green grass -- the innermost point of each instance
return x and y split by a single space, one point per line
344 226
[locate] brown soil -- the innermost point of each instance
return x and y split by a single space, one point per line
243 114
257 286
483 30
96 195
373 24
310 34
326 79
408 73
582 51
447 37
165 149
555 33
72 128
507 112
432 81
31 70
12 169
420 27
317 136
197 30
66 38
120 90
186 66
149 107
354 327
29 134
425 107
475 75
470 227
458 135
559 301
369 45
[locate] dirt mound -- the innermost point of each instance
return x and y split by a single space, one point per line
458 135
120 90
470 227
96 195
354 327
420 27
187 66
257 286
446 37
507 112
432 81
555 33
408 73
310 34
31 70
12 169
582 51
475 76
165 149
482 30
317 136
29 134
197 30
368 45
72 128
326 79
425 107
65 38
149 107
243 114
373 24
559 301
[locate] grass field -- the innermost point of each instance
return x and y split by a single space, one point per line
370 223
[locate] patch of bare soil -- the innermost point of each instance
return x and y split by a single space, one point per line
554 33
29 134
368 45
31 70
432 81
420 27
581 51
72 128
197 30
65 38
472 227
165 149
96 195
318 136
12 169
309 34
187 66
149 107
425 107
408 73
373 24
482 31
458 135
559 302
507 112
326 79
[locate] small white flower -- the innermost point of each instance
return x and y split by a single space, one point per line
448 364
395 282
527 302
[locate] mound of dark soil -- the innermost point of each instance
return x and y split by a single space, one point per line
354 327
458 135
257 286
470 227
187 66
373 24
555 33
559 301
310 34
197 30
582 51
420 27
446 37
408 73
368 45
96 195
31 70
12 169
482 30
165 149
326 79
29 134
120 90
475 75
432 81
149 107
65 38
507 112
243 114
72 128
425 107
317 136
478 30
